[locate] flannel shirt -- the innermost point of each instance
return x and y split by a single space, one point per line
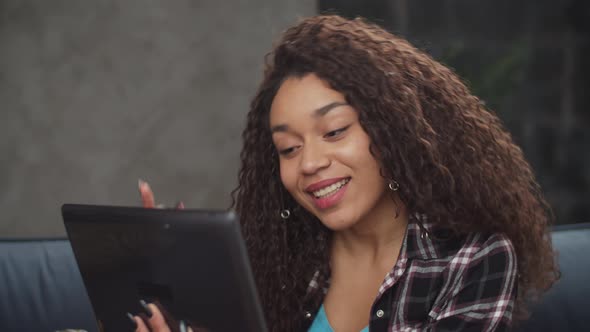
457 284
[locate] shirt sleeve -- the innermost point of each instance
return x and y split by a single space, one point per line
484 297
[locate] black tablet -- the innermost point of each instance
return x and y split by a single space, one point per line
193 262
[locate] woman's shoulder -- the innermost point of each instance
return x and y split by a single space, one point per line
481 252
479 279
444 244
463 252
472 275
485 243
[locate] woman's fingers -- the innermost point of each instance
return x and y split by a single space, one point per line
155 318
157 322
147 196
141 327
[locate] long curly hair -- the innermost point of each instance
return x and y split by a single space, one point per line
453 158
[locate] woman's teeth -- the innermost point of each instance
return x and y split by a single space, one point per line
329 190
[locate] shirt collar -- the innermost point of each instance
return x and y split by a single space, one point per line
422 240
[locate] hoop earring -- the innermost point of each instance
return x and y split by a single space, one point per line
285 214
393 185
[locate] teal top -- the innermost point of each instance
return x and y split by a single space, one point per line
321 324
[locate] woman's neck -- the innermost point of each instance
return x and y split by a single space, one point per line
373 240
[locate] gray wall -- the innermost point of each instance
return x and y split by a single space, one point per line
96 94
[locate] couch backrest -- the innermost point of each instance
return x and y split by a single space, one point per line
566 306
41 288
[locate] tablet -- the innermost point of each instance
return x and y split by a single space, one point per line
193 262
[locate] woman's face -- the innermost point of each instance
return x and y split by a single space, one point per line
324 156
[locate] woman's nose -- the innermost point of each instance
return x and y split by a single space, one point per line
313 159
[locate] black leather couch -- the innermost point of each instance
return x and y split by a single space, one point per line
566 306
41 288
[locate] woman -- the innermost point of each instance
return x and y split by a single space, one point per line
376 193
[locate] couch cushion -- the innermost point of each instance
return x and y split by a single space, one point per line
41 287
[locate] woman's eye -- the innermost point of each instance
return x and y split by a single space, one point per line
336 132
285 152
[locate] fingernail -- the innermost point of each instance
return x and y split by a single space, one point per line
182 326
140 184
130 316
180 205
145 306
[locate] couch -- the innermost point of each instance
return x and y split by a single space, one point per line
41 288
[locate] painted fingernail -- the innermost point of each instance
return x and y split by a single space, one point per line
147 309
182 326
130 316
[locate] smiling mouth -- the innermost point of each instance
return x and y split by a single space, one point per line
330 190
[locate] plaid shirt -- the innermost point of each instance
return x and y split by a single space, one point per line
466 284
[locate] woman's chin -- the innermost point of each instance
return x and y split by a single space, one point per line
335 219
336 224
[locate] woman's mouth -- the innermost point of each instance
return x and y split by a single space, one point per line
330 195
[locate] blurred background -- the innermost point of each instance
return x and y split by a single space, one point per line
97 94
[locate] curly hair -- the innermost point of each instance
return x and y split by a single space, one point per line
453 158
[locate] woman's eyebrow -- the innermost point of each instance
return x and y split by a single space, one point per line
279 128
327 108
316 114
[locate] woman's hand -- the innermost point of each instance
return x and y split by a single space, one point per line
147 196
154 321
